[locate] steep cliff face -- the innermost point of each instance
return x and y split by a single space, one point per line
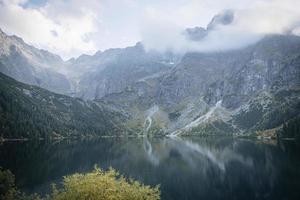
254 78
115 69
221 92
87 77
271 64
234 76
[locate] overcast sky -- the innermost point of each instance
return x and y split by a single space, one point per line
73 27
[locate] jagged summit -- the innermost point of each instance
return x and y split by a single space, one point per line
226 17
30 65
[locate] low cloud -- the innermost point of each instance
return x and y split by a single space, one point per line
74 27
248 26
58 26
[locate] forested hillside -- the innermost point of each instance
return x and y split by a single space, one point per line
31 112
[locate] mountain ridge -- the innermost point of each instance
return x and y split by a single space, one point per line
182 89
200 80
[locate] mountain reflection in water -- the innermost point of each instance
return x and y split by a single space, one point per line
185 168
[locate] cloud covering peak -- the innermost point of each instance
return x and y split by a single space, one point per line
73 27
229 29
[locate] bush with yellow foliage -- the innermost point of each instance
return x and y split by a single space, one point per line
103 185
95 185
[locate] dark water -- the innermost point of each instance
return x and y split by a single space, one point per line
190 168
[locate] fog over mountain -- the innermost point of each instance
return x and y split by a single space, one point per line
229 29
71 28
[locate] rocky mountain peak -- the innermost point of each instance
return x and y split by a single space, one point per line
198 33
224 18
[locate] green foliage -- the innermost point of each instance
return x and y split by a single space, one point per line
291 129
8 190
156 128
7 184
31 112
251 117
101 185
279 108
96 185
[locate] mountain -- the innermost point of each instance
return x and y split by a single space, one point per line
113 70
198 33
88 76
232 92
241 91
30 65
32 112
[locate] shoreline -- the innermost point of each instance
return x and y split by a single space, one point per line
69 138
2 140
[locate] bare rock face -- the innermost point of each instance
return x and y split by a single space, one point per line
212 92
113 70
224 18
196 33
87 77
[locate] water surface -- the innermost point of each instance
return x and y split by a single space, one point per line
187 168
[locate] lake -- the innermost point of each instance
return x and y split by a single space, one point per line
186 168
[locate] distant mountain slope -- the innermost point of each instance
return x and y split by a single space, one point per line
88 76
233 92
30 65
113 70
31 112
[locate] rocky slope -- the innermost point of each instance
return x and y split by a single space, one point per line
30 65
232 92
87 77
198 33
113 70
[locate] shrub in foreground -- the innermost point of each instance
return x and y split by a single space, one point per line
8 189
96 185
103 185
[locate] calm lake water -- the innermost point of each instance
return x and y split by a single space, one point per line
186 168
